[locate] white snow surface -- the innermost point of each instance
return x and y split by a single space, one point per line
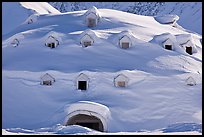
156 96
15 13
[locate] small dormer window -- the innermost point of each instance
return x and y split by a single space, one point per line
168 47
121 83
125 45
91 22
189 50
82 85
51 45
87 43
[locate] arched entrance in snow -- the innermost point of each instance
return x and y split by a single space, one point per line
88 114
86 121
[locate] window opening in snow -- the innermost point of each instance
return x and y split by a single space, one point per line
168 47
86 121
189 50
87 43
47 82
121 83
82 85
125 45
91 22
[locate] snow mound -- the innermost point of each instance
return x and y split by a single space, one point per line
167 19
40 7
168 38
89 108
15 13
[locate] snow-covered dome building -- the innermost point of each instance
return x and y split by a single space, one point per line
121 81
92 17
187 43
82 82
88 114
87 38
47 79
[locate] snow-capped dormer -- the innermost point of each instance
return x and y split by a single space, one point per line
190 81
121 80
168 44
15 42
92 17
125 39
87 38
31 19
47 79
52 42
82 82
125 42
186 42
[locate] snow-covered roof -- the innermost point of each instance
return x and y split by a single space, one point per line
14 39
90 108
47 77
31 19
88 35
167 42
190 81
186 40
82 77
121 77
53 36
167 19
51 39
93 10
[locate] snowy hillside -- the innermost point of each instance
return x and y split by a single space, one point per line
15 13
187 11
156 94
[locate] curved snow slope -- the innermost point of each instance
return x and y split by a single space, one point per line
156 96
15 13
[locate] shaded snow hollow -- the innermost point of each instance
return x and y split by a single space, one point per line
156 95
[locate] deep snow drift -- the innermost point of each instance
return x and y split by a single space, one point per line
15 13
156 96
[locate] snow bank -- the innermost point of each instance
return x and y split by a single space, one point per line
15 13
167 19
40 7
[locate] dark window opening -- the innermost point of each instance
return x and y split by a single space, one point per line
47 83
91 22
82 85
189 50
51 45
87 43
121 83
169 47
125 45
94 126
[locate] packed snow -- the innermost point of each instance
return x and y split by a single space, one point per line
156 97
